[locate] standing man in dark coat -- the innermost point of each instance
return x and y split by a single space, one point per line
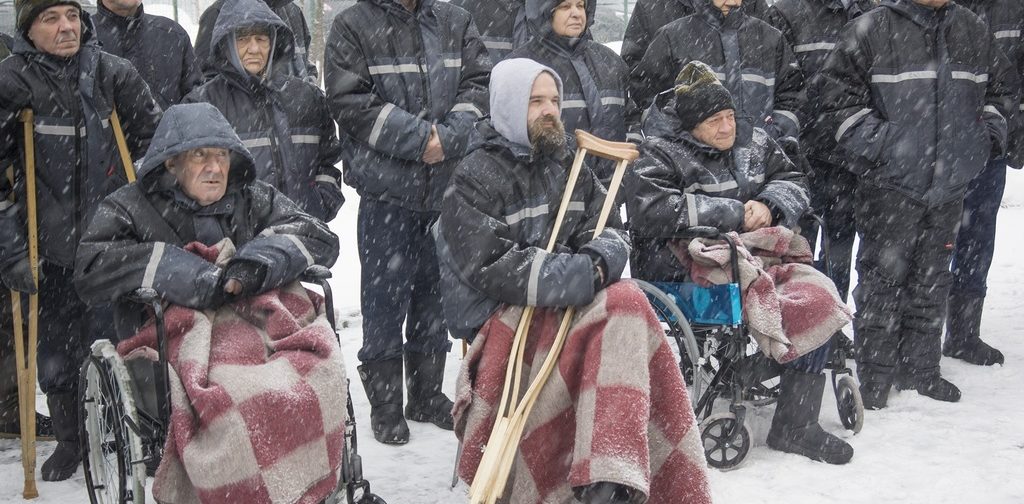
750 57
406 82
502 24
59 72
811 29
917 93
649 16
595 97
158 47
282 119
301 67
976 241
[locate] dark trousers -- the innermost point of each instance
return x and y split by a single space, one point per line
832 189
812 362
400 282
904 278
976 241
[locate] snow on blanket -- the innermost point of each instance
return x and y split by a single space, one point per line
616 409
258 399
790 307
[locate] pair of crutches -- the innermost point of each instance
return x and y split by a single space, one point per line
25 348
513 411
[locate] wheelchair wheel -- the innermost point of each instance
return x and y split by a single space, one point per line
726 443
850 404
677 328
371 499
112 450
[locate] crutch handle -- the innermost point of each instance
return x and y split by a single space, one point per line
615 151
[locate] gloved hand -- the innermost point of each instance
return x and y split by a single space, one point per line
243 278
18 277
609 252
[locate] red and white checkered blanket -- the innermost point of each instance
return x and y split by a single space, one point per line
615 410
790 307
258 399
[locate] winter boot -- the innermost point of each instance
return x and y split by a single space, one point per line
65 459
795 426
605 493
12 429
936 387
383 383
963 332
875 394
424 375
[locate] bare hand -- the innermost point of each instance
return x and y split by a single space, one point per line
233 287
434 152
756 215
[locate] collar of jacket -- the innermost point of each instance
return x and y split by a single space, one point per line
713 16
692 144
122 22
926 17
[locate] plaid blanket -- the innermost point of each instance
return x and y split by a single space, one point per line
615 410
258 399
790 307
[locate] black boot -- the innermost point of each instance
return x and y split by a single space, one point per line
12 429
936 387
795 426
383 383
605 493
65 459
963 332
424 375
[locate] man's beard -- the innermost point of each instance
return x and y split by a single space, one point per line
547 136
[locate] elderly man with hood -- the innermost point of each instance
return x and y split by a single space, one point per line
703 174
596 98
406 82
917 93
614 423
158 47
281 119
502 24
59 72
300 65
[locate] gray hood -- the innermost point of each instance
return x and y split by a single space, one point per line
511 83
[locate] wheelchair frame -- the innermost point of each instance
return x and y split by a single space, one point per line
135 439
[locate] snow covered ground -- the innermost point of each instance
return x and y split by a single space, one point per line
916 451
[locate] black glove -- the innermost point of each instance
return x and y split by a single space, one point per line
609 251
18 277
249 274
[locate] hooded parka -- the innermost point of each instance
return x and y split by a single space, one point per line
391 74
918 98
281 119
138 236
501 23
158 47
649 16
750 57
594 79
76 157
287 10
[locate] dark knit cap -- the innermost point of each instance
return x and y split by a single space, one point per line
699 95
28 10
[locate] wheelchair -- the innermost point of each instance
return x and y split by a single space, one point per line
125 413
719 359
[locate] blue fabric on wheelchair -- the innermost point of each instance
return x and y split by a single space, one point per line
714 305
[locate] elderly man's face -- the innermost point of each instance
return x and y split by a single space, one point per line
253 48
727 6
57 31
544 125
718 131
934 4
202 173
122 7
570 18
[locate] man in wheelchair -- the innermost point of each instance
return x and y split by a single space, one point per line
699 171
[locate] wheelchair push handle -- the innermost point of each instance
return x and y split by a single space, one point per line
143 295
316 274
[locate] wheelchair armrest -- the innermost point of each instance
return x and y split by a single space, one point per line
316 274
143 295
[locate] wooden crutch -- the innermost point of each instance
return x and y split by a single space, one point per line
502 449
122 146
25 351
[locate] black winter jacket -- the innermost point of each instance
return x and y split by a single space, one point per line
750 57
77 161
678 183
287 10
281 119
501 23
138 236
390 75
6 42
495 223
594 80
158 48
919 98
649 16
811 28
1005 19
